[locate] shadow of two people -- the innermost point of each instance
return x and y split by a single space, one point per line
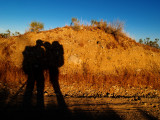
36 60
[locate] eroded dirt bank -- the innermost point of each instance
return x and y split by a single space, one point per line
93 60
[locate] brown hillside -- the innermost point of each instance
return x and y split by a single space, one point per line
94 62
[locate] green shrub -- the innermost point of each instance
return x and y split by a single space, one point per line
6 35
94 23
74 21
36 26
149 42
8 32
75 24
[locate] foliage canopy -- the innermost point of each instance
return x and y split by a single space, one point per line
149 42
36 26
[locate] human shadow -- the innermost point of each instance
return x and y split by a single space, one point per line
50 57
33 67
55 59
42 56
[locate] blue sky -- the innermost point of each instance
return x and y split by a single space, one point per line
141 17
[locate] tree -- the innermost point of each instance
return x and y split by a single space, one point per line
75 22
16 33
156 40
94 22
36 26
155 43
141 41
8 33
149 42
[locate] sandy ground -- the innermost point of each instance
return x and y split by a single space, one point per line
89 109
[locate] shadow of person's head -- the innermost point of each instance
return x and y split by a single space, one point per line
39 43
55 44
47 45
32 57
58 52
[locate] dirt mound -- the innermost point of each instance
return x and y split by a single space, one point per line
94 61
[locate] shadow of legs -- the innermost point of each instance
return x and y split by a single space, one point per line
54 73
27 100
37 77
40 91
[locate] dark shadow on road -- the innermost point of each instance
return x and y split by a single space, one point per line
53 110
107 114
146 115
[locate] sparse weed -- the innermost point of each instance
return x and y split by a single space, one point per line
115 28
76 27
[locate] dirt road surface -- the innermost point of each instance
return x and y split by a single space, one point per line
88 109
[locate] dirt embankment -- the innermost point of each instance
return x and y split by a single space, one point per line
95 63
